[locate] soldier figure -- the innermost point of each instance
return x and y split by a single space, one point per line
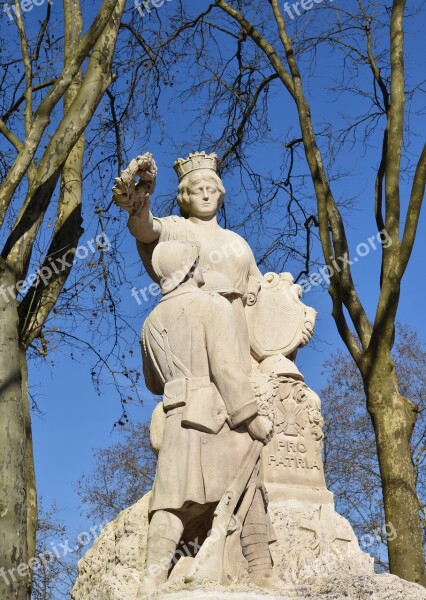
192 355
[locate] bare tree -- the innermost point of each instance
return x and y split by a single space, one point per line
350 460
123 473
44 145
246 56
55 79
53 569
37 158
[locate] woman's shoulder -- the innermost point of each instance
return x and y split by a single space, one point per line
236 241
234 235
170 219
172 228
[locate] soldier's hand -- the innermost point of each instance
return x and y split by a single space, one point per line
260 428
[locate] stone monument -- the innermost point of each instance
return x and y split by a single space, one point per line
240 506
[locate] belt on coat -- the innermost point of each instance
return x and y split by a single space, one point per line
176 390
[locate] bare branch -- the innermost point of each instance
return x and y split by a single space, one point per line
383 328
395 123
28 113
97 79
17 103
42 114
378 204
239 133
11 137
413 212
263 44
39 301
342 288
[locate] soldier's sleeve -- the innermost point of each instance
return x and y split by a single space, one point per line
226 362
152 379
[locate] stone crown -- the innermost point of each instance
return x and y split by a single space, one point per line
195 162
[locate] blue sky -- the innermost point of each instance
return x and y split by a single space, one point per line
76 419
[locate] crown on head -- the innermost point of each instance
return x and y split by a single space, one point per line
195 162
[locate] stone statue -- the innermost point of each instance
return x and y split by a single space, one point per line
233 379
211 412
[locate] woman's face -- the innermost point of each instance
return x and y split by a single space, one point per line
203 199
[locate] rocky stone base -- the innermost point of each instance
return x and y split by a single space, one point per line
376 587
314 542
202 595
316 556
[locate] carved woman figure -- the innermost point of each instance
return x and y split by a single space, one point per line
226 258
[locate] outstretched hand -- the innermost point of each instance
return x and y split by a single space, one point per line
132 195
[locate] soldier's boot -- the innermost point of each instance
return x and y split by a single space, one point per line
164 534
255 546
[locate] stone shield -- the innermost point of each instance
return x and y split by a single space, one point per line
279 322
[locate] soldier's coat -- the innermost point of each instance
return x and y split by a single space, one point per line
201 331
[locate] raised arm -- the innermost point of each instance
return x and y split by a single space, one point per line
143 226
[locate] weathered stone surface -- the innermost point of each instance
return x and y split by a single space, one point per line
112 568
314 542
378 587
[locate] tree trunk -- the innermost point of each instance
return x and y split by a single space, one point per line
32 505
394 418
13 471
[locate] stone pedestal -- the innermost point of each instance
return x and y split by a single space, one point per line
313 541
316 555
112 568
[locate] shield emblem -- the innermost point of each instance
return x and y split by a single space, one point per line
279 322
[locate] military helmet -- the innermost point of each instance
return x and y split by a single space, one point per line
172 261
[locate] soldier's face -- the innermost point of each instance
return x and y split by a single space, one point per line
204 199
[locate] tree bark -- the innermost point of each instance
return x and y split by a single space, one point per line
31 491
394 417
13 457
